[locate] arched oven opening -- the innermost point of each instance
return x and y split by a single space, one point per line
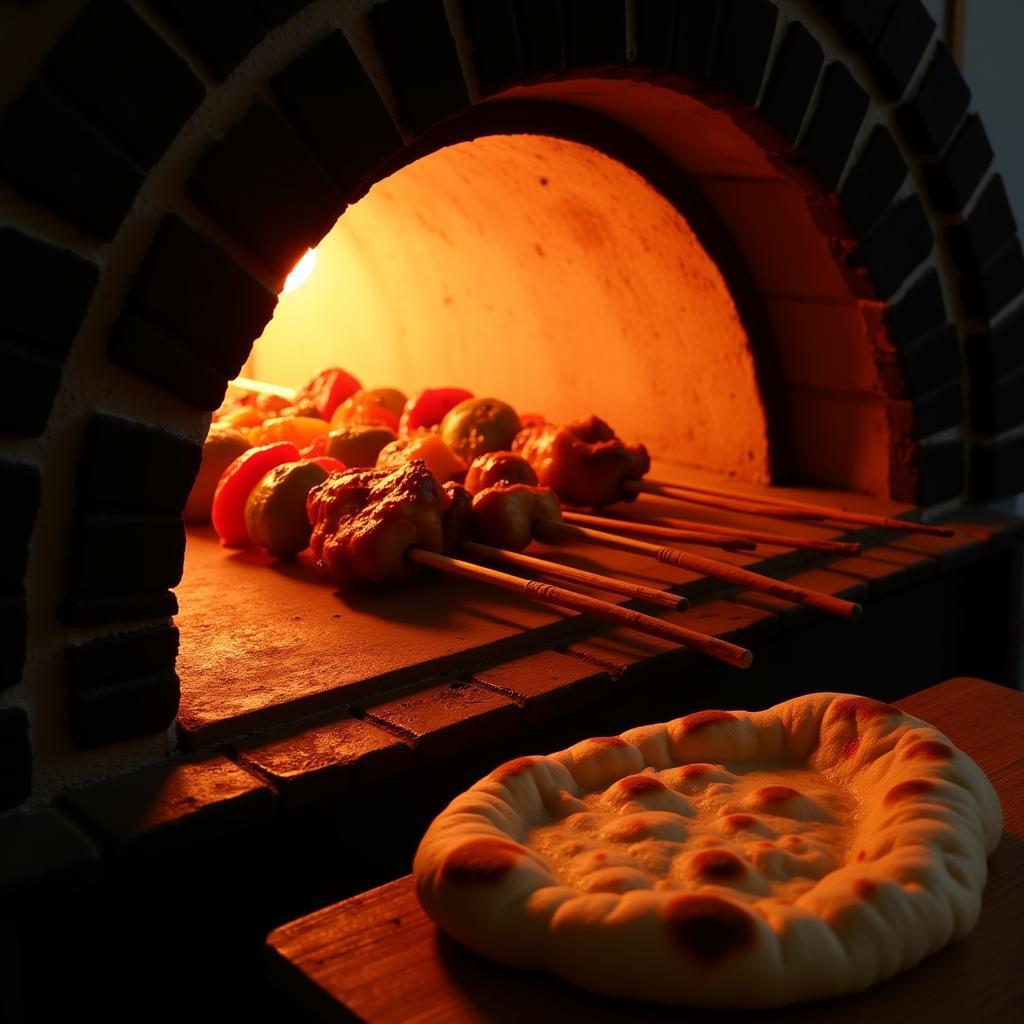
765 246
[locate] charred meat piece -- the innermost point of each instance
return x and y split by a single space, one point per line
365 520
499 468
505 516
583 462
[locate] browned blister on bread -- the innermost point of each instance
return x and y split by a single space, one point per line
724 859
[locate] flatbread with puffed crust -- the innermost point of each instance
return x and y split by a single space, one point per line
724 859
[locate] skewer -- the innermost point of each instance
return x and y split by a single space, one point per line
739 657
574 575
667 528
708 567
784 509
710 537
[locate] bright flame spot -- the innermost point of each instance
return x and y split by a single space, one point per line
300 273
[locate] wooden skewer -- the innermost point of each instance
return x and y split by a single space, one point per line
790 509
708 567
574 575
710 537
666 528
739 657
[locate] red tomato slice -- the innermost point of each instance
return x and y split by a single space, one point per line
327 390
236 484
427 408
329 463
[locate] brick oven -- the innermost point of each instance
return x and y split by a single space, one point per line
765 236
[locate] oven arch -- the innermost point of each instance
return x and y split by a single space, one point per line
80 241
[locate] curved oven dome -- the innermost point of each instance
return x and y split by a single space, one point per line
543 272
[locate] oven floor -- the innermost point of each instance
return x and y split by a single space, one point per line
265 641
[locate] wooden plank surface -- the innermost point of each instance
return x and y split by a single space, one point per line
377 957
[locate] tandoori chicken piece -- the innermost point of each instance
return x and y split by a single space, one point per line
584 463
505 516
499 468
365 520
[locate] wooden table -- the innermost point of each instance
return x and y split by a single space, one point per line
377 957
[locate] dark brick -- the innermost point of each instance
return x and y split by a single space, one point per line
540 32
942 469
595 32
860 23
920 311
901 46
932 361
655 32
416 42
896 245
997 398
13 634
834 124
999 407
277 12
949 552
986 291
26 408
209 305
987 228
997 467
122 709
793 78
35 275
497 53
930 118
918 567
316 764
745 40
20 484
954 179
98 609
939 409
51 156
149 352
548 685
43 859
873 181
697 23
139 652
338 112
194 800
129 80
130 467
122 686
15 758
264 187
882 578
221 33
448 720
999 352
117 554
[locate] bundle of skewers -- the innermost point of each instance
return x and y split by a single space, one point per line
380 487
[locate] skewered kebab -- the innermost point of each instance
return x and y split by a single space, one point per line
379 526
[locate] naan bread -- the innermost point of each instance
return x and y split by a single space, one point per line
724 859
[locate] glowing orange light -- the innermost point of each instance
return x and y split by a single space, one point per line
300 274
